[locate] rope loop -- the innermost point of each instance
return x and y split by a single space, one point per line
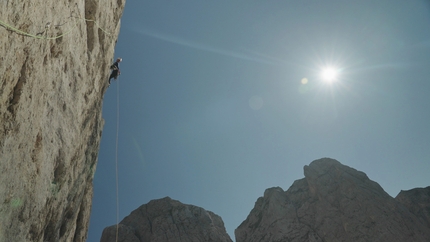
43 33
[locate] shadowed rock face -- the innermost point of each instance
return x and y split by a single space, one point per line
336 203
417 200
168 220
51 93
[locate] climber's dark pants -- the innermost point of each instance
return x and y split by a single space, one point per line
113 75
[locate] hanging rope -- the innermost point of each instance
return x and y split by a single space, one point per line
41 35
95 22
116 160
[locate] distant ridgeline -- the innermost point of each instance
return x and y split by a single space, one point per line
332 203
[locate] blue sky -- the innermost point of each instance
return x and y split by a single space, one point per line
213 109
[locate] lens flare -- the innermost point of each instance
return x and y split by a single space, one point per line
256 102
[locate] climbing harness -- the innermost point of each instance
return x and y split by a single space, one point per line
41 35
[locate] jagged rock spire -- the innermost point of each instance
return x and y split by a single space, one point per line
332 203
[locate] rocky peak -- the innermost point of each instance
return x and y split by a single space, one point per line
417 201
326 175
332 203
168 220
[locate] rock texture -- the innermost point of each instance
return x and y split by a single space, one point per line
167 220
417 200
51 92
336 203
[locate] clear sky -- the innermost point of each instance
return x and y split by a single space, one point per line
220 100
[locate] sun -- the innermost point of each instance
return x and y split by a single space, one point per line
329 74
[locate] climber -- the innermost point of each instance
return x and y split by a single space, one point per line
115 70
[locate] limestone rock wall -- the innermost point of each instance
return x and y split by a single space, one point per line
51 92
417 201
336 203
167 220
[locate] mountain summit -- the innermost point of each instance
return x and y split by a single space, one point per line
168 220
334 203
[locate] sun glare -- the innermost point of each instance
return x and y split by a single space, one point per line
329 74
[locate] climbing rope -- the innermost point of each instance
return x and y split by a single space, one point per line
42 34
116 160
95 22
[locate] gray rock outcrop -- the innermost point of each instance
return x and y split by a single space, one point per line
417 201
167 220
54 64
336 203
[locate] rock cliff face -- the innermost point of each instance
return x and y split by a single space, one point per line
167 220
54 64
418 202
336 203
